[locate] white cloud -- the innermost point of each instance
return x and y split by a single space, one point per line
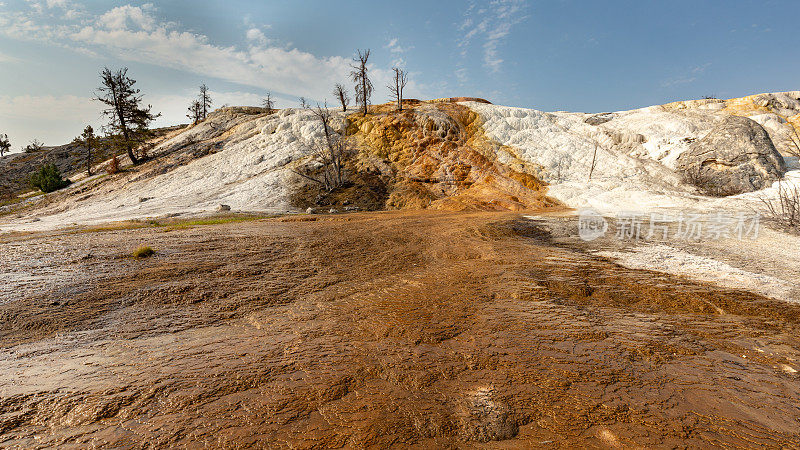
256 36
397 51
394 46
133 33
284 70
36 6
69 9
492 26
127 17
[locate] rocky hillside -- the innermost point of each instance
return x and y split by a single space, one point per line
16 168
453 154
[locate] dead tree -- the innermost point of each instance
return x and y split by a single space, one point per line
331 152
268 104
341 93
785 210
795 140
88 141
35 146
5 144
205 101
396 88
360 77
304 103
128 119
195 112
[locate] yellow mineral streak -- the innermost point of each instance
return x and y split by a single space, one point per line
440 158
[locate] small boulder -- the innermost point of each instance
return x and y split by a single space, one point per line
599 119
482 418
737 156
223 208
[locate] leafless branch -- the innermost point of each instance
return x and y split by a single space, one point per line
360 77
785 210
330 152
340 93
268 104
397 86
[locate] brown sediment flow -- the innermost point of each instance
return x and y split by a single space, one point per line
426 328
437 156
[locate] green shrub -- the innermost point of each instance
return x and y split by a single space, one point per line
48 179
143 252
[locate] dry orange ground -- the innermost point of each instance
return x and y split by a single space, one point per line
418 329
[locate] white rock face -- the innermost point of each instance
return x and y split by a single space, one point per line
636 150
251 169
249 173
629 171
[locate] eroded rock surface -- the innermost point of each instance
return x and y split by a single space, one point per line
736 156
435 330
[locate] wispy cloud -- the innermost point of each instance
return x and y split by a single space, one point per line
67 9
690 76
256 36
490 26
397 51
7 59
136 33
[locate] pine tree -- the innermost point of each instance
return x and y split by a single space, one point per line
128 119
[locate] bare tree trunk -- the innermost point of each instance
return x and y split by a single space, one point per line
125 134
364 91
205 101
330 152
396 89
399 95
360 77
123 126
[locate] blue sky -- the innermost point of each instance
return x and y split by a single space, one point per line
549 55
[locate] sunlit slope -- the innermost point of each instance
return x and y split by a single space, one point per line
456 154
